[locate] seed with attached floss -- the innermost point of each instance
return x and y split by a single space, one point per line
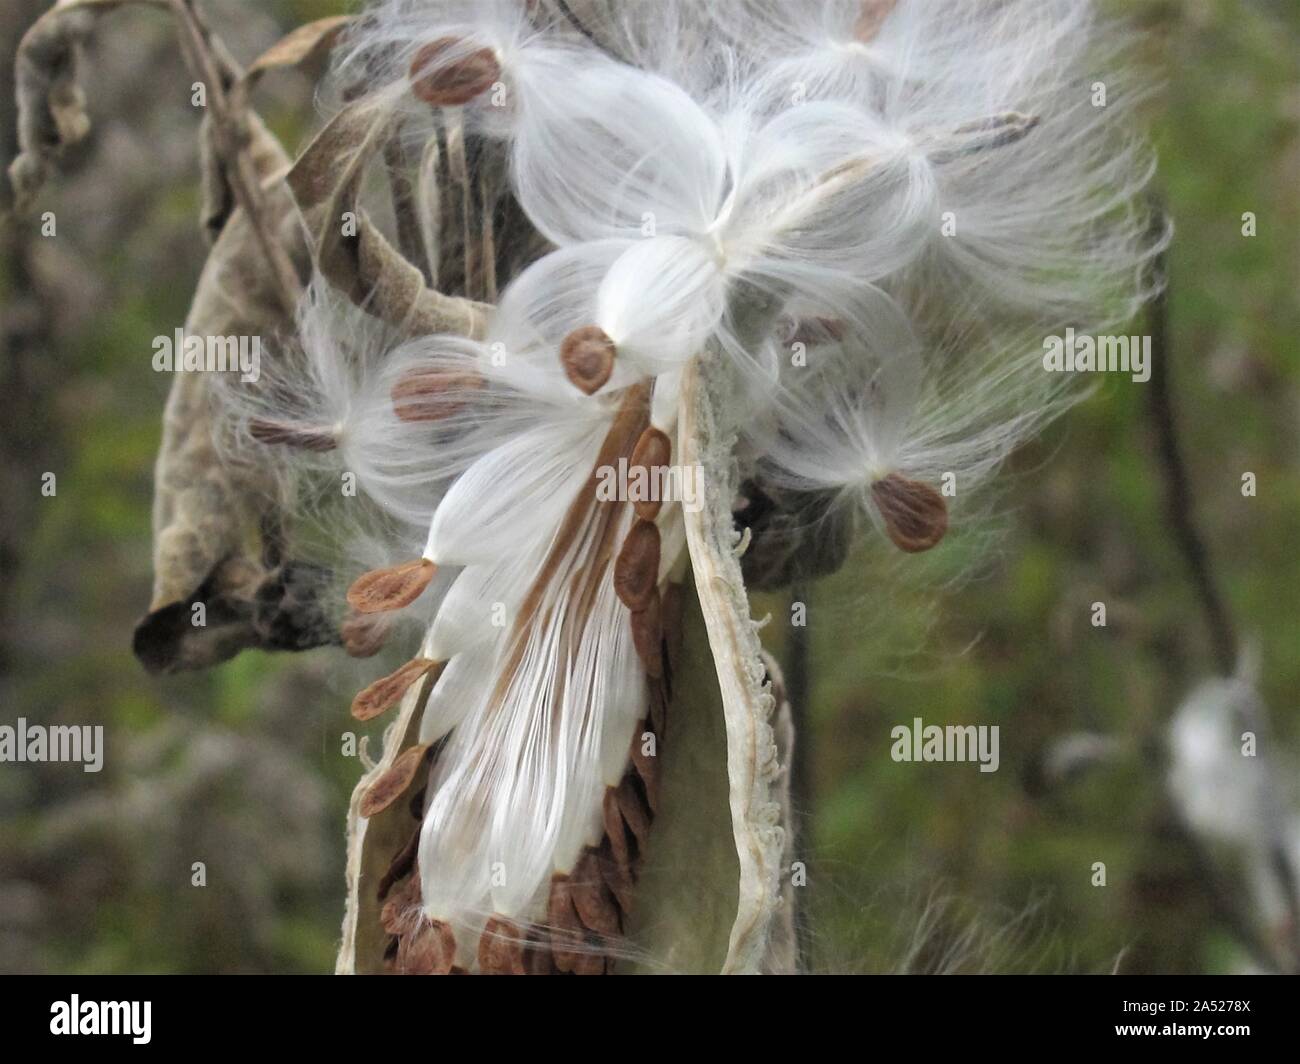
448 73
288 434
915 515
648 636
364 636
392 588
390 785
636 570
587 355
431 395
428 950
387 691
653 452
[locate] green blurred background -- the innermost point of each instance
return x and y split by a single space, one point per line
921 867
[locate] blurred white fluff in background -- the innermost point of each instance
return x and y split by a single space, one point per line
923 190
1235 795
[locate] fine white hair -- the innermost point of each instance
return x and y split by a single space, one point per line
925 190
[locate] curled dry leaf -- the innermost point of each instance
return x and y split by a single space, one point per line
349 251
307 45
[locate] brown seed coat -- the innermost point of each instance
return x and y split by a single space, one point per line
915 515
442 83
392 588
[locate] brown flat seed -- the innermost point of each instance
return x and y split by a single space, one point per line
537 954
619 882
635 809
587 355
636 571
648 636
403 861
431 395
304 437
597 908
501 948
916 517
653 452
364 636
616 833
589 963
389 787
566 928
428 950
445 73
401 912
387 691
392 588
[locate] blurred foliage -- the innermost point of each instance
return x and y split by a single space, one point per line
928 866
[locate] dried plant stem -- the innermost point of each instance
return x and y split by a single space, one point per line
1179 507
231 138
1180 510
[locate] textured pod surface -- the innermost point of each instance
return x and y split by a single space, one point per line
707 438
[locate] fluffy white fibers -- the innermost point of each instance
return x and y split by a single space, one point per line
920 191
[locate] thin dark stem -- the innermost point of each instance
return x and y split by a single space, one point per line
1179 503
1179 507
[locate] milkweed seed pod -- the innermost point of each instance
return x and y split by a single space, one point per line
785 272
